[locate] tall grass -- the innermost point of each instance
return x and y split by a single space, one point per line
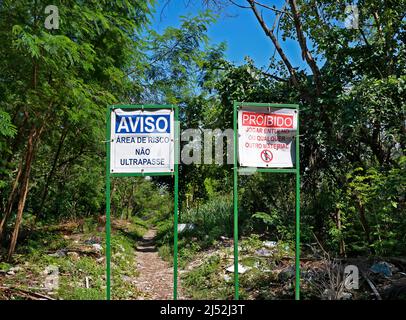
212 219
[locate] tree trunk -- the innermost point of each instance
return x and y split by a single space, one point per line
52 171
376 144
339 227
33 139
364 223
10 200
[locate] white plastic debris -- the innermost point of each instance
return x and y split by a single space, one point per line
346 296
16 269
12 271
97 247
58 254
263 252
270 244
182 227
241 268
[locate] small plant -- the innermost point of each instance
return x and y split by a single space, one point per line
4 266
165 252
206 282
251 243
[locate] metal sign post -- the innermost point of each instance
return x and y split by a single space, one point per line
266 145
142 142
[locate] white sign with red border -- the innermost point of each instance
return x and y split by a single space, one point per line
266 137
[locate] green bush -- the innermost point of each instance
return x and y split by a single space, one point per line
211 219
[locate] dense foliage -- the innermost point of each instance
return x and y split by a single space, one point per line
55 86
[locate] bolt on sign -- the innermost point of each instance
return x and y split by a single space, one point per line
266 137
142 141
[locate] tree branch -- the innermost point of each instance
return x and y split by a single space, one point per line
273 9
277 20
276 43
273 76
239 5
364 37
305 51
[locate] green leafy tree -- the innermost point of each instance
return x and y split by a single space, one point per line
57 82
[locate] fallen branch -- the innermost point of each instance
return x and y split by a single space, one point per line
378 296
85 251
30 294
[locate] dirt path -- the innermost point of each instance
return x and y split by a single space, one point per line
156 276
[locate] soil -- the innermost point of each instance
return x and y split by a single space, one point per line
155 280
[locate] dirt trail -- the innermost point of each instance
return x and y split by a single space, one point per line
156 275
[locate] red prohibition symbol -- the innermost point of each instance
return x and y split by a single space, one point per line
266 156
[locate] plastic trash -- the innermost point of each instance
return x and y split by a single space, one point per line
263 252
182 227
270 244
241 269
382 267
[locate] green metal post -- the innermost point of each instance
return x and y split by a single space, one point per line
108 242
297 249
235 199
175 213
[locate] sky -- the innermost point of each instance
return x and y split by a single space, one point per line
237 27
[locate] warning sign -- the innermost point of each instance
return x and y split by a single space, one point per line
142 141
266 137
